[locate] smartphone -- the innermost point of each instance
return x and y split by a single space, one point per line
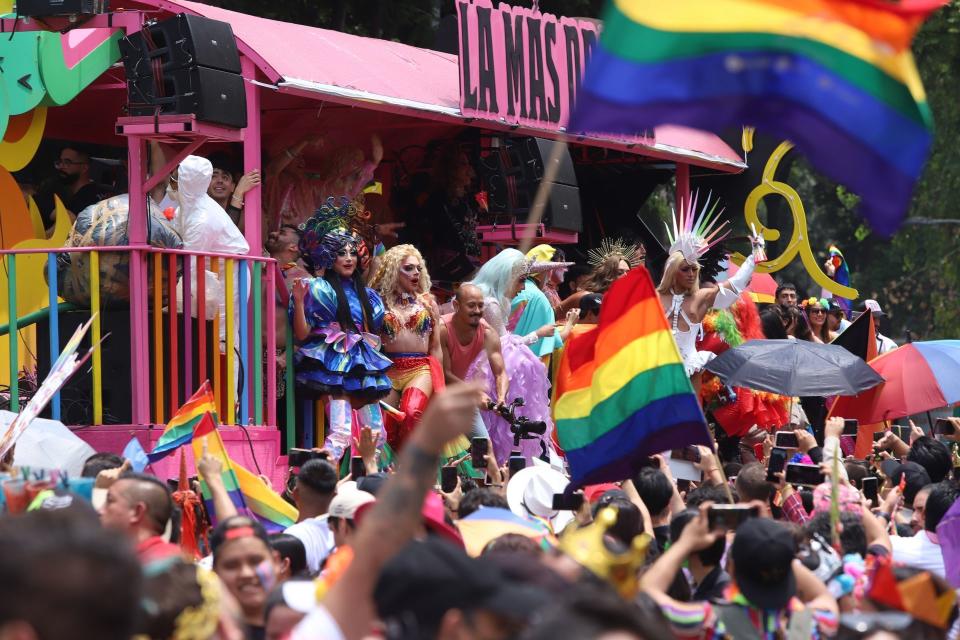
650 462
901 432
786 440
517 463
357 470
805 474
299 457
878 435
778 460
448 479
689 453
868 485
944 427
730 516
850 427
567 502
478 453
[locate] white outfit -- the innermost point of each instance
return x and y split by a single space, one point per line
318 624
693 361
918 551
317 539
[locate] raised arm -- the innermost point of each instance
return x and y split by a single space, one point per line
301 329
395 517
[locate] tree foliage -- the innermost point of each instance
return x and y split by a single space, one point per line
915 276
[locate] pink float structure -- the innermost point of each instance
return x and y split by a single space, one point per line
298 81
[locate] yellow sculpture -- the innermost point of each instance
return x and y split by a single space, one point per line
800 239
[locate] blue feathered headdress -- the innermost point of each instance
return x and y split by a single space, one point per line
326 232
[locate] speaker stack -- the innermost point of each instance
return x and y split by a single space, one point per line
513 169
185 65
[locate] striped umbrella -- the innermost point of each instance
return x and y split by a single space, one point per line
488 523
919 377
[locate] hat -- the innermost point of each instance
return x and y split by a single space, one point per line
873 307
594 492
426 579
848 498
530 493
434 520
535 266
917 477
591 302
345 503
763 551
541 253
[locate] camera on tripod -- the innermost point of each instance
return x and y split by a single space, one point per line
522 427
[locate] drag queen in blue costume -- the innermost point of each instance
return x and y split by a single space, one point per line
337 320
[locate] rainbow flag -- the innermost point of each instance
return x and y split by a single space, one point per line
622 392
249 493
196 418
835 77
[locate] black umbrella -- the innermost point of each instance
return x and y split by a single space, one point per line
795 368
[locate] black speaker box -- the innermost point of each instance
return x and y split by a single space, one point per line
536 153
44 8
186 64
213 95
194 40
563 208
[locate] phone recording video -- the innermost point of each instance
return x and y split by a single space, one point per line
448 479
689 453
730 516
357 469
944 427
778 460
478 452
850 427
567 502
869 487
804 474
786 440
517 463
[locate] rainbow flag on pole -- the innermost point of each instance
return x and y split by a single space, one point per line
835 77
249 493
196 418
622 392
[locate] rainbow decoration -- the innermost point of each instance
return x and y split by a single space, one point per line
249 493
835 77
195 419
622 392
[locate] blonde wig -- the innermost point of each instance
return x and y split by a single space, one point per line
386 281
674 262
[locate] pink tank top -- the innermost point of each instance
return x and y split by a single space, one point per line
462 356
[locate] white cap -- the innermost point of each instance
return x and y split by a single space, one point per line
345 503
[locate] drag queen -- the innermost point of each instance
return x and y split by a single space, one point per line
685 302
337 320
500 280
409 336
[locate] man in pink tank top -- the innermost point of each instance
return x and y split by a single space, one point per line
463 336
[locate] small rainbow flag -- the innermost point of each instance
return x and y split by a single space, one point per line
835 77
196 418
622 392
249 493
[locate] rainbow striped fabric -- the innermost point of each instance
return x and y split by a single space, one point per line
194 419
248 492
835 77
622 392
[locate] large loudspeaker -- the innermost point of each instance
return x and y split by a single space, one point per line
513 170
45 8
186 64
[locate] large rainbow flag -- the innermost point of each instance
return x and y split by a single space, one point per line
835 77
622 392
194 419
248 492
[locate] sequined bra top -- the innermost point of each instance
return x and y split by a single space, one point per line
413 316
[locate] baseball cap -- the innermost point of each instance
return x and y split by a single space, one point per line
763 551
917 477
426 579
345 503
873 307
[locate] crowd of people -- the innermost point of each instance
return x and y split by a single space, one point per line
439 504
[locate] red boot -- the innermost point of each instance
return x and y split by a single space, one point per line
413 402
